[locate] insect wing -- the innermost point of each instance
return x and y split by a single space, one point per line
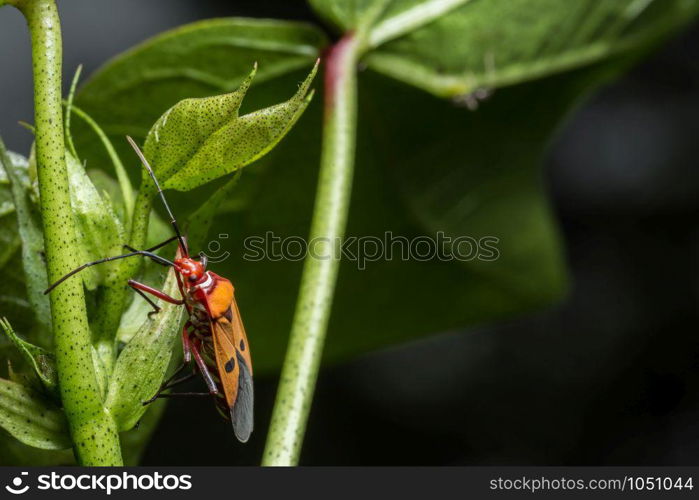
226 360
234 367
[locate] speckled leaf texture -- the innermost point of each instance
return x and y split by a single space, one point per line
141 366
100 231
424 163
196 60
31 419
201 139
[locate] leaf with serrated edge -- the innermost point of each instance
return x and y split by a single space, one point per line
200 59
180 132
199 140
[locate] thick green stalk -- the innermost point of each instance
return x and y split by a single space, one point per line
93 431
309 327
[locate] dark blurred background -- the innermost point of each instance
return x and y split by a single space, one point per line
609 376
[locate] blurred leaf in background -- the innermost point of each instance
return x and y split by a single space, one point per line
424 165
196 60
14 302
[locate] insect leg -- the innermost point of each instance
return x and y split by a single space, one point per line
179 381
201 364
210 384
154 291
183 394
156 308
186 349
169 384
175 395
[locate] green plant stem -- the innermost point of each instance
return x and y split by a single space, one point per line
303 355
93 431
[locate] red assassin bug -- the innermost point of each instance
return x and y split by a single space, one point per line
214 334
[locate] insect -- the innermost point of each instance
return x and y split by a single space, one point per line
213 335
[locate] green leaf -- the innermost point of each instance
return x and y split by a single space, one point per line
496 43
100 231
101 372
127 192
201 139
31 419
141 366
401 18
423 165
199 59
42 361
411 180
29 231
383 20
18 454
14 302
200 222
109 189
9 238
132 319
15 376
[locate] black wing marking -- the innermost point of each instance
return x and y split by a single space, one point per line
242 410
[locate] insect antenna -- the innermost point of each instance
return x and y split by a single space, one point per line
173 222
152 256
